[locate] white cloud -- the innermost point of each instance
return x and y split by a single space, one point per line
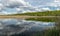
20 5
3 13
57 0
14 3
55 3
25 6
1 6
18 9
45 8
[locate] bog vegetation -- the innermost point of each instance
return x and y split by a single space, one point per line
44 13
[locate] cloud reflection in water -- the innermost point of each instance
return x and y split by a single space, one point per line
23 25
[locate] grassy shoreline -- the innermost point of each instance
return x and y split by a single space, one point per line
44 13
34 18
43 19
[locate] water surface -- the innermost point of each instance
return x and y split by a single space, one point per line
12 26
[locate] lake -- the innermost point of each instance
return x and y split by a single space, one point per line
16 26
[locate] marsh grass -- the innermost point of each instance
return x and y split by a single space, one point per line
43 19
44 13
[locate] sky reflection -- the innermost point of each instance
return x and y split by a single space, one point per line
18 25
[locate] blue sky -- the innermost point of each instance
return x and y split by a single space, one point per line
21 6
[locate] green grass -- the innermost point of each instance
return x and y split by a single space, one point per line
48 33
45 13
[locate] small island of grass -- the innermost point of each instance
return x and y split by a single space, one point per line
43 19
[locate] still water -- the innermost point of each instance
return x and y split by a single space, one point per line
16 26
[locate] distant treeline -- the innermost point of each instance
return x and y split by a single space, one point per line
44 13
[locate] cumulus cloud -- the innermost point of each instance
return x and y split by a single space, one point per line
45 8
1 7
13 3
19 6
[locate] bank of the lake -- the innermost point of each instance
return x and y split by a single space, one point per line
44 13
46 19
